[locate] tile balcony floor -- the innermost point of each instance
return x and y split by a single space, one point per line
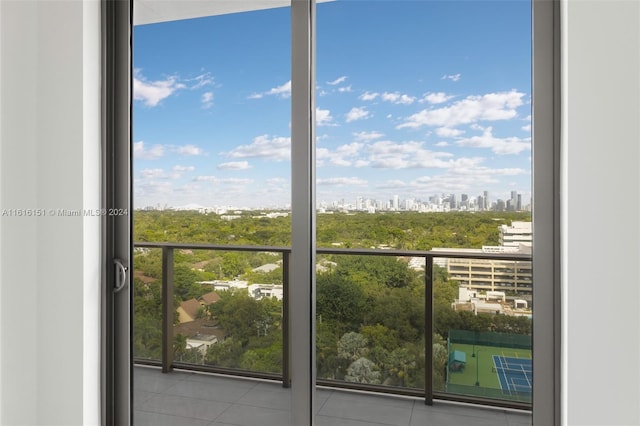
183 398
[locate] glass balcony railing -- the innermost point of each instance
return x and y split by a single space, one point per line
389 321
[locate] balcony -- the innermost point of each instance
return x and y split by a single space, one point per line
184 398
171 381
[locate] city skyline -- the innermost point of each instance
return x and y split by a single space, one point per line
434 203
436 100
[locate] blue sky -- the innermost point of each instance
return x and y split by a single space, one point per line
415 98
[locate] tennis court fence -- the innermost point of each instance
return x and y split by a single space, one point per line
485 338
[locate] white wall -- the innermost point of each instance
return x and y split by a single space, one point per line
601 215
49 266
49 156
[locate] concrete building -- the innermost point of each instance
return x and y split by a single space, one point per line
259 291
490 275
516 234
221 285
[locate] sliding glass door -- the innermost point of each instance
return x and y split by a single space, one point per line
212 145
406 265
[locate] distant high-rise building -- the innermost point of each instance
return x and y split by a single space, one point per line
487 203
513 201
519 203
396 202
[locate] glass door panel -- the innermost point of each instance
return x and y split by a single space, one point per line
423 143
211 142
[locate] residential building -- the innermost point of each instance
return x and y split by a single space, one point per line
209 298
488 275
188 310
259 291
226 285
516 234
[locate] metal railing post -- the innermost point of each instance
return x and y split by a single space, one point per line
428 331
286 344
167 309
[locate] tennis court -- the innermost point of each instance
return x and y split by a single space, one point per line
515 374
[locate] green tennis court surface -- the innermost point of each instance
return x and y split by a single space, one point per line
481 376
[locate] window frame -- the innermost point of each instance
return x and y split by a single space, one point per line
116 365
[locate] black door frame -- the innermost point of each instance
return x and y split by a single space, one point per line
116 244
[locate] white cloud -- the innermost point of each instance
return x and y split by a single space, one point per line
182 169
527 128
454 180
391 155
511 145
447 132
489 107
189 150
397 98
276 181
442 144
202 80
177 171
226 181
367 136
152 173
324 118
273 148
357 114
452 77
152 92
341 181
207 100
283 91
234 165
392 184
350 149
205 179
153 153
436 98
153 189
344 89
236 181
337 80
366 96
342 156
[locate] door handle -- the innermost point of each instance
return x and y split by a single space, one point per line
121 275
